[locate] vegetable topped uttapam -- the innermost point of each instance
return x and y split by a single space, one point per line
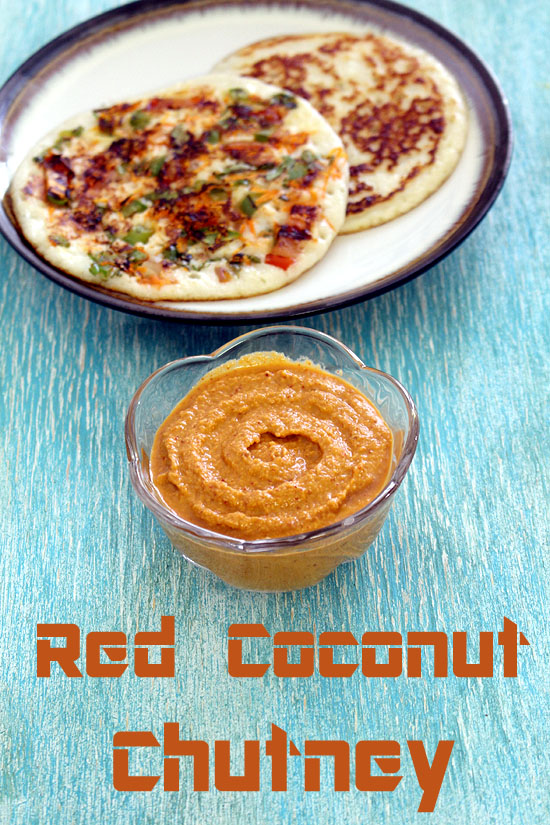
222 187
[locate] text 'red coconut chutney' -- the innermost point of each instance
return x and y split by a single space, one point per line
265 447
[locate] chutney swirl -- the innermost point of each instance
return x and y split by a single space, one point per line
266 447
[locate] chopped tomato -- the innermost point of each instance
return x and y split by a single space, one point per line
279 260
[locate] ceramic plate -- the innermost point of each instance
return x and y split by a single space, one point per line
147 45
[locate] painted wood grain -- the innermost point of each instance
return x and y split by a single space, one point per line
466 543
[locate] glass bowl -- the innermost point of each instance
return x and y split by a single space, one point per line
291 562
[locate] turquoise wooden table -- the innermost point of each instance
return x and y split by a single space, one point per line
466 544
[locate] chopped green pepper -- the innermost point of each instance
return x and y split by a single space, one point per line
156 165
137 255
213 136
134 206
56 200
179 135
105 270
210 236
247 206
139 120
138 234
218 194
162 195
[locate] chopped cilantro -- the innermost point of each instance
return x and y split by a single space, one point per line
233 169
284 99
175 254
294 168
59 240
277 170
65 135
297 170
308 156
238 94
230 235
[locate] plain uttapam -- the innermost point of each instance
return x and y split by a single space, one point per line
400 113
